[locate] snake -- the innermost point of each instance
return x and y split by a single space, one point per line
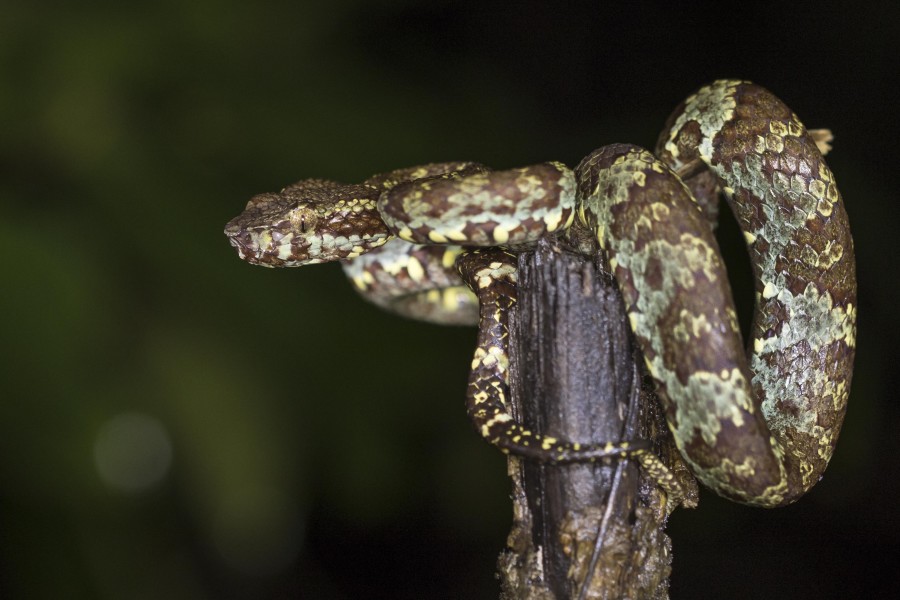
756 423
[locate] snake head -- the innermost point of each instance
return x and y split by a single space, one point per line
309 222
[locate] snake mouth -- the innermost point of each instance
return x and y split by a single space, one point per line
248 248
269 247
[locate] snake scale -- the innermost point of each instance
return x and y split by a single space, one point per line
756 426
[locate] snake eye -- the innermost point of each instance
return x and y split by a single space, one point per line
303 219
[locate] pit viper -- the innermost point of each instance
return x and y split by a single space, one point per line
756 426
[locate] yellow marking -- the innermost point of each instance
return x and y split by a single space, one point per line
817 188
601 234
262 239
436 237
749 237
456 236
633 319
552 220
640 178
415 270
501 234
689 326
833 253
778 128
449 258
405 234
759 344
548 442
769 290
451 299
759 144
660 211
651 368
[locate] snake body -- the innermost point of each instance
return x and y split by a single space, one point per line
759 427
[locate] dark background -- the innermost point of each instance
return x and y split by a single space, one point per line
177 424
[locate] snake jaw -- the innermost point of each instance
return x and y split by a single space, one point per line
264 234
309 222
266 246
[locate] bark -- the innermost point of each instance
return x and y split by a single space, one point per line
581 530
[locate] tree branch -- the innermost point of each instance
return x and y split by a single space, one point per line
575 375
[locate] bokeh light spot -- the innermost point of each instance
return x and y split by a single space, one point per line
132 452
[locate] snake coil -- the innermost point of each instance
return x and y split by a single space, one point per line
759 426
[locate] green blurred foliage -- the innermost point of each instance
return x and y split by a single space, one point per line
319 448
130 136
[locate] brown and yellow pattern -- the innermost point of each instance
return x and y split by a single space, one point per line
757 427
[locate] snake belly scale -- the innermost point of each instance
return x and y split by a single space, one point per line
757 426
